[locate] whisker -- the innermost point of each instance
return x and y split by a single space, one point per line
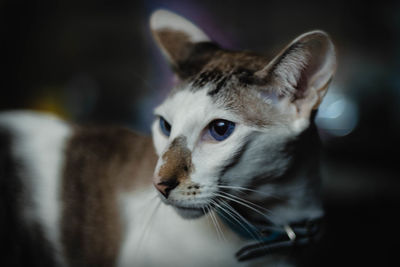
217 227
213 221
206 211
241 189
148 224
242 203
148 201
247 201
236 217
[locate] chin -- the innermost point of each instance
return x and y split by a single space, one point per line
189 213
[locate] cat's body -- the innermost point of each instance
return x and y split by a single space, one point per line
233 141
113 169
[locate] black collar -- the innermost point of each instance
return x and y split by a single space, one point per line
281 238
270 238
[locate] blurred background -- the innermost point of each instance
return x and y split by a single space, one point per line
94 61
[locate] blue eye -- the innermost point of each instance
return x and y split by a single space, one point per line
165 126
221 129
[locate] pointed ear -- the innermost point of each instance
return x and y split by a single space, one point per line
301 73
186 47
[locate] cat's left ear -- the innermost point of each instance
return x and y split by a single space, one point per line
299 76
186 46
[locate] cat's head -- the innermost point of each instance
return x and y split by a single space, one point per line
226 124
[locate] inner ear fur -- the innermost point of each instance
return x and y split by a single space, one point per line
301 73
186 46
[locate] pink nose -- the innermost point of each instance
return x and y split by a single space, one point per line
165 187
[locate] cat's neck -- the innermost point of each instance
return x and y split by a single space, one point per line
295 198
295 193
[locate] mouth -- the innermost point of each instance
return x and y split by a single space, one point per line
188 209
190 212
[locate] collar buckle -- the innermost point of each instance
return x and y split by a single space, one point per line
287 237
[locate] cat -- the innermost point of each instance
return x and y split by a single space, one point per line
229 177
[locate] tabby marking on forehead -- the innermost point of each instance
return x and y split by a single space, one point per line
227 65
230 82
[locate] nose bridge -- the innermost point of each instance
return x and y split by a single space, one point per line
176 167
189 125
177 161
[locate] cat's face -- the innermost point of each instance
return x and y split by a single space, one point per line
208 146
228 123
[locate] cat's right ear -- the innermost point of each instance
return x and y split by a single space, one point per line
300 75
186 47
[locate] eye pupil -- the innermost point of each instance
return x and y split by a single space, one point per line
221 129
165 126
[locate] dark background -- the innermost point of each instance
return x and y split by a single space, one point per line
95 62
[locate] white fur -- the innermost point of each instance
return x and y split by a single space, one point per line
39 147
154 234
158 236
193 240
263 154
191 119
162 19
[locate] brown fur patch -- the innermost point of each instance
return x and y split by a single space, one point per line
176 43
231 64
248 103
187 58
178 162
100 163
233 85
227 61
